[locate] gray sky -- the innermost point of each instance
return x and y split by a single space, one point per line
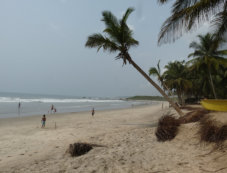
42 47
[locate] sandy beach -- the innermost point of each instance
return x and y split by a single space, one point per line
128 139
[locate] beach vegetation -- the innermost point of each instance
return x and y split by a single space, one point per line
153 71
78 149
167 128
210 131
188 15
208 57
203 76
175 78
118 37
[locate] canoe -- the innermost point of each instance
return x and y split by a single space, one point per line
215 104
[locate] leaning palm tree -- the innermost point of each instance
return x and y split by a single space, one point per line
117 37
188 14
208 56
153 71
156 72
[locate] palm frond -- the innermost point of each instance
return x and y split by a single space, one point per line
153 71
110 20
132 42
126 15
99 41
162 1
222 52
185 16
220 22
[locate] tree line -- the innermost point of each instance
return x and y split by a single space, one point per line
204 75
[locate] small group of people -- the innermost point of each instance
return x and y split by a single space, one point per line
52 109
43 120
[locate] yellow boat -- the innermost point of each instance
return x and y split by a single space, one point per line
215 104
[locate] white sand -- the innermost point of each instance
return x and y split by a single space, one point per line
128 136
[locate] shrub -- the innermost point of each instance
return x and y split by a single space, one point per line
78 149
167 128
211 132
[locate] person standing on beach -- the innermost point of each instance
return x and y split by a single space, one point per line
43 121
93 112
51 108
19 106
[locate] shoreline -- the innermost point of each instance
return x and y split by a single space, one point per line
63 108
107 109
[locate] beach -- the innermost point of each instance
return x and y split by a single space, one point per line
127 144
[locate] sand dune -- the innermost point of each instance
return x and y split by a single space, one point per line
129 140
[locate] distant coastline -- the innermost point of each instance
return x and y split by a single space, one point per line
153 98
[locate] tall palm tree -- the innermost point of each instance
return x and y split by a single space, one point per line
188 14
175 79
117 37
153 71
207 56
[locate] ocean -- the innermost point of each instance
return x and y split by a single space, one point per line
34 104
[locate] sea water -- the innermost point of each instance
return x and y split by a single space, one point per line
33 104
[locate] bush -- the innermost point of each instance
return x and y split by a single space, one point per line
211 132
78 149
167 128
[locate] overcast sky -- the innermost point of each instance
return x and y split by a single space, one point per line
42 47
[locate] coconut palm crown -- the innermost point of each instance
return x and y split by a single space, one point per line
117 37
153 71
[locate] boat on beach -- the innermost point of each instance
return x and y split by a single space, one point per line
215 104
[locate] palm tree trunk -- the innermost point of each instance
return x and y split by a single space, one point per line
212 85
155 85
179 97
167 89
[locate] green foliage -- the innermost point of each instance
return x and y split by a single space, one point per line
209 64
189 14
116 37
175 78
204 76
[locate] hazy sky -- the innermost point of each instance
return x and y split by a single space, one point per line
42 47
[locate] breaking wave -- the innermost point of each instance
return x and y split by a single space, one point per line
53 100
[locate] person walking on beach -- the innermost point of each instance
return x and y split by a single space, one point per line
43 121
93 111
